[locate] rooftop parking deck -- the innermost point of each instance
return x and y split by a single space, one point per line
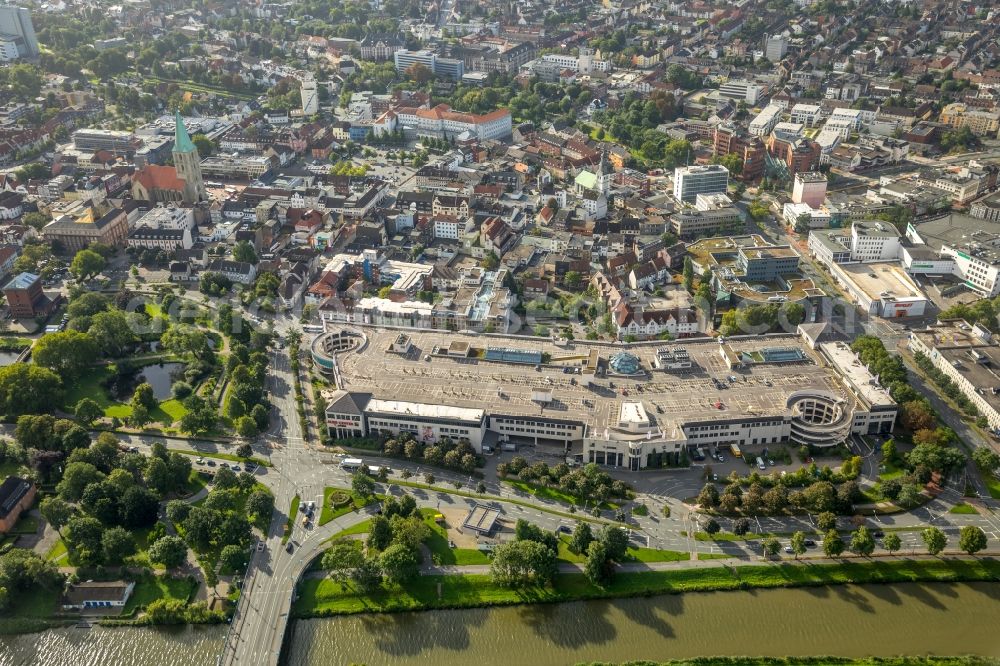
708 391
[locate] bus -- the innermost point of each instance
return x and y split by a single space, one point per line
312 328
352 464
760 463
735 449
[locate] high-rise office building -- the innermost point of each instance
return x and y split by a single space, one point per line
16 27
691 181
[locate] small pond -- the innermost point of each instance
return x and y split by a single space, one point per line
161 377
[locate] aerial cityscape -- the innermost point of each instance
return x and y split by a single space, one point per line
398 332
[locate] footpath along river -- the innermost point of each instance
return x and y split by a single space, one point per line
842 620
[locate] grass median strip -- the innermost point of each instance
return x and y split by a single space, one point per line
318 598
290 523
221 456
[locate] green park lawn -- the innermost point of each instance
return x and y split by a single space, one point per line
993 485
330 512
714 556
326 597
57 553
89 386
892 471
220 456
149 588
441 552
31 611
963 508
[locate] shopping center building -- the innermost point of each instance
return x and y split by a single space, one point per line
628 406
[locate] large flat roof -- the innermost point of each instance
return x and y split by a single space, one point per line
425 410
882 280
451 387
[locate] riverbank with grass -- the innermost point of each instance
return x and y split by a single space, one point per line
325 597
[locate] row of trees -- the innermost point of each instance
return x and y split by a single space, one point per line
588 481
821 496
458 455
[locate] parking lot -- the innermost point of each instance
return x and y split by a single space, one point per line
707 390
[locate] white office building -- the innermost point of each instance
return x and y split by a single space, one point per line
741 91
691 181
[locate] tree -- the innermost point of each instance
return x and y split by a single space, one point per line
341 559
76 477
233 558
56 512
201 527
87 411
798 544
891 542
522 561
380 533
771 546
741 526
934 539
597 567
113 331
367 576
972 539
83 538
615 541
243 251
688 275
170 551
116 545
246 428
177 511
862 542
68 353
138 507
203 144
144 396
399 563
86 264
833 545
709 496
889 450
362 484
419 73
917 415
26 388
712 526
582 537
986 459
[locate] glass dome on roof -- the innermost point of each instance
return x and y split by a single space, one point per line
624 363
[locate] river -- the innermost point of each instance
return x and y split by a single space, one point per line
841 620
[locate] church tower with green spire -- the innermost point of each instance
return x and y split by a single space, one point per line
187 163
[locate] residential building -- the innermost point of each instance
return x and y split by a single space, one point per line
16 496
979 122
765 121
94 595
159 239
